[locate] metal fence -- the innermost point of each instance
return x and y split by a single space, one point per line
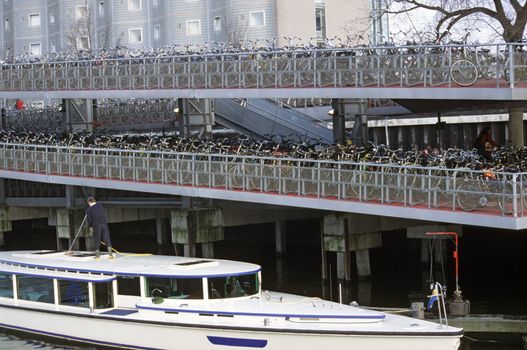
497 193
501 65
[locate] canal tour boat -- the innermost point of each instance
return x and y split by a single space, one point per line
168 302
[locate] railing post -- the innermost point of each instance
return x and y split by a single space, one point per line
514 196
383 168
511 65
193 166
454 190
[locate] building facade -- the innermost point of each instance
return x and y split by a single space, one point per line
43 26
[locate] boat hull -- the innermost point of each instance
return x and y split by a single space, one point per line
143 334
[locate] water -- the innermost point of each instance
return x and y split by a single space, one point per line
488 266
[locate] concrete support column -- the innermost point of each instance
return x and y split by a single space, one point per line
516 127
68 224
280 238
195 114
78 115
5 223
334 239
192 226
339 128
343 267
161 231
207 250
362 258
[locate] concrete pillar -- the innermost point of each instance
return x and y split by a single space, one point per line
339 128
280 238
68 223
161 231
335 240
192 226
196 114
207 250
5 223
362 258
364 293
281 274
78 115
516 127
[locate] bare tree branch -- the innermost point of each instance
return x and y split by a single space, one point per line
511 15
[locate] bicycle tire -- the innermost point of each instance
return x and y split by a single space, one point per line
467 196
464 72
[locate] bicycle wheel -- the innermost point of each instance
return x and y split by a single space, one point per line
468 197
463 72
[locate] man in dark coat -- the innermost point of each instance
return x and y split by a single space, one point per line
98 221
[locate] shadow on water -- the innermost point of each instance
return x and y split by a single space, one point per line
491 265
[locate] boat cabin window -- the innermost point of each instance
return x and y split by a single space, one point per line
233 286
6 285
103 295
128 285
174 288
35 289
73 293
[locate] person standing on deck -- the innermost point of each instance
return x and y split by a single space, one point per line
99 223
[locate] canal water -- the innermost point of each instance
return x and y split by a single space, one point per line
491 270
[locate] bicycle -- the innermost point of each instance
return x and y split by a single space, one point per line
487 189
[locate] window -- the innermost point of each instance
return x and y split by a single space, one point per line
101 8
193 27
81 12
6 286
157 31
174 288
34 49
73 293
35 289
233 286
6 24
320 18
135 35
51 17
53 47
128 286
154 2
216 24
103 295
134 5
257 19
34 20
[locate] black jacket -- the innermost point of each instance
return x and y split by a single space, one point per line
96 215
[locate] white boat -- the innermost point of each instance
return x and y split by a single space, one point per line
169 302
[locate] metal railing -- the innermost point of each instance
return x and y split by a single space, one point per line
500 65
497 193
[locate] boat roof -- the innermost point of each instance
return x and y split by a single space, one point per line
124 264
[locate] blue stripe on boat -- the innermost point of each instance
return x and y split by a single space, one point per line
241 342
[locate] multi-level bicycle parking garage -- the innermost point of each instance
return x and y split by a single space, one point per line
471 72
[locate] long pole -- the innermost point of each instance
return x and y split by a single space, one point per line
78 232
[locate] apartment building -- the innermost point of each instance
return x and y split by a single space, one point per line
41 26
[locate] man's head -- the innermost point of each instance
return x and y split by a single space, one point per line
91 201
